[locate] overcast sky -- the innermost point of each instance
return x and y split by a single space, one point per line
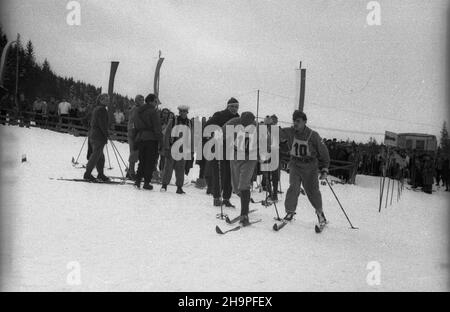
359 78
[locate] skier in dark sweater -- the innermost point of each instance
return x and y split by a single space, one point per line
98 138
446 171
148 137
222 189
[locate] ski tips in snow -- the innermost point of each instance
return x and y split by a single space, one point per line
279 226
218 230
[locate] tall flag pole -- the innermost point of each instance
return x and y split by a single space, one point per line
3 62
156 79
112 76
301 103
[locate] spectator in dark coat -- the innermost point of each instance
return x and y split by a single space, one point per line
446 171
219 119
98 137
428 173
148 138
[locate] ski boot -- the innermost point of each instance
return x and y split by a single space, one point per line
226 203
289 216
103 178
244 220
89 177
180 190
322 220
131 176
147 186
163 188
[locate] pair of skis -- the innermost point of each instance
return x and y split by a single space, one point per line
233 221
90 181
318 228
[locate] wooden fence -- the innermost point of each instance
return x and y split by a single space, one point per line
77 126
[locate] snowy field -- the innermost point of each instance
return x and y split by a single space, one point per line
129 240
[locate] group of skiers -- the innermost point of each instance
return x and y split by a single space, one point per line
150 138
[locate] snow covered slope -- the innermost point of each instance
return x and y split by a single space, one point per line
125 239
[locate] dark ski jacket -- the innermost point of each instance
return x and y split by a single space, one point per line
98 130
220 118
147 124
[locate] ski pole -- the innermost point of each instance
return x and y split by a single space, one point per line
76 161
342 208
220 216
382 181
392 190
109 161
271 191
115 147
118 162
387 194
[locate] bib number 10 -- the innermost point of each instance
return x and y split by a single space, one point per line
299 149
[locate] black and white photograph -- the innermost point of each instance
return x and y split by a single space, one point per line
251 147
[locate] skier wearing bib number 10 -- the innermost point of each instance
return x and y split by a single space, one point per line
309 156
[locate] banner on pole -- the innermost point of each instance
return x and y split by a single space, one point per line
156 79
3 61
112 76
390 139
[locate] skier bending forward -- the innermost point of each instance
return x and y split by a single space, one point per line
242 170
308 155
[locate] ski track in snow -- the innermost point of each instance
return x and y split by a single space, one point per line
126 239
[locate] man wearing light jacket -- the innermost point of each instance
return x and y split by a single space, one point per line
309 155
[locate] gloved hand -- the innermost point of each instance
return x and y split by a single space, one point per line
323 174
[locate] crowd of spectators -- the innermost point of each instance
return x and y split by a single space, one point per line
421 169
50 110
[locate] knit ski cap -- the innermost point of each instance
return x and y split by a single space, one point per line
232 101
299 114
183 108
247 118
